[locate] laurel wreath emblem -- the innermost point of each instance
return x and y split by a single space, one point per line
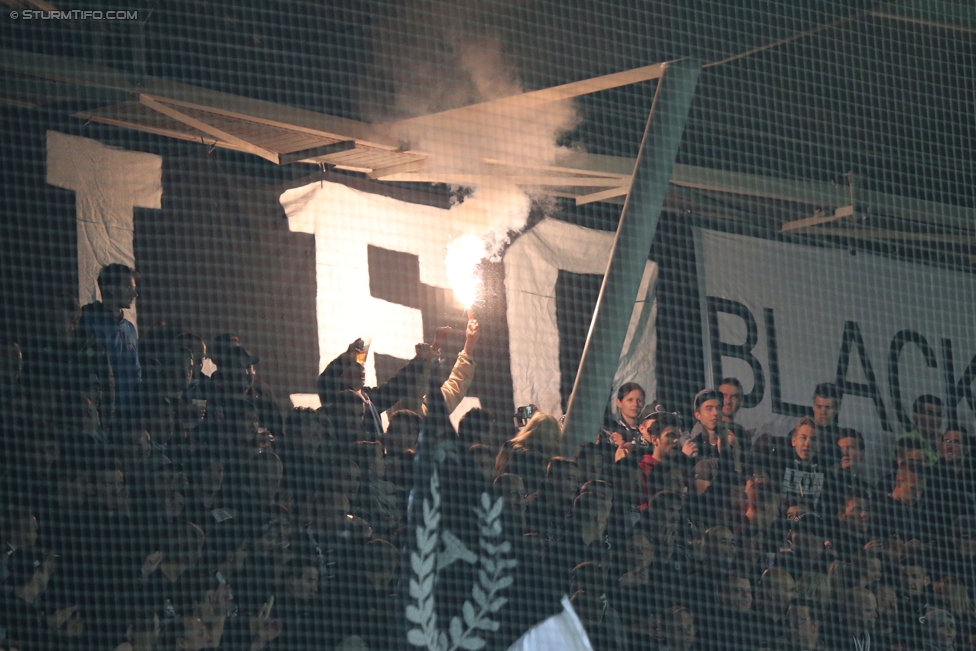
486 599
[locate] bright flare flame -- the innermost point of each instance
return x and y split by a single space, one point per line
462 259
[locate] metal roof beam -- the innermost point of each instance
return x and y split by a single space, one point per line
200 125
307 155
94 76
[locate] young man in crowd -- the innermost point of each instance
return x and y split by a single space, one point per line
628 510
845 474
718 552
661 432
714 567
824 410
476 427
105 321
323 526
18 528
852 524
867 567
735 610
679 629
826 407
938 631
512 489
956 554
585 537
304 622
731 390
927 417
902 511
708 428
799 468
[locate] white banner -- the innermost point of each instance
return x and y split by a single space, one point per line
783 318
345 222
108 183
532 266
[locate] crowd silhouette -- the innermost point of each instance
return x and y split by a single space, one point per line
148 505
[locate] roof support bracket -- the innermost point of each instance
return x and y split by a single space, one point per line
209 129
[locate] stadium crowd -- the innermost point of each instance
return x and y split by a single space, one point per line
149 506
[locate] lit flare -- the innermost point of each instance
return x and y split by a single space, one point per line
464 254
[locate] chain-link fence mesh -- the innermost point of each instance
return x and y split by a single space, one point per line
295 298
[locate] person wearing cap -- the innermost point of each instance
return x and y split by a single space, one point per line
236 378
198 379
235 372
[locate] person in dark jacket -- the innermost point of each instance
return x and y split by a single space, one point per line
799 469
347 372
707 431
106 322
236 378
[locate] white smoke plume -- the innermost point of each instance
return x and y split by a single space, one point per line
433 56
